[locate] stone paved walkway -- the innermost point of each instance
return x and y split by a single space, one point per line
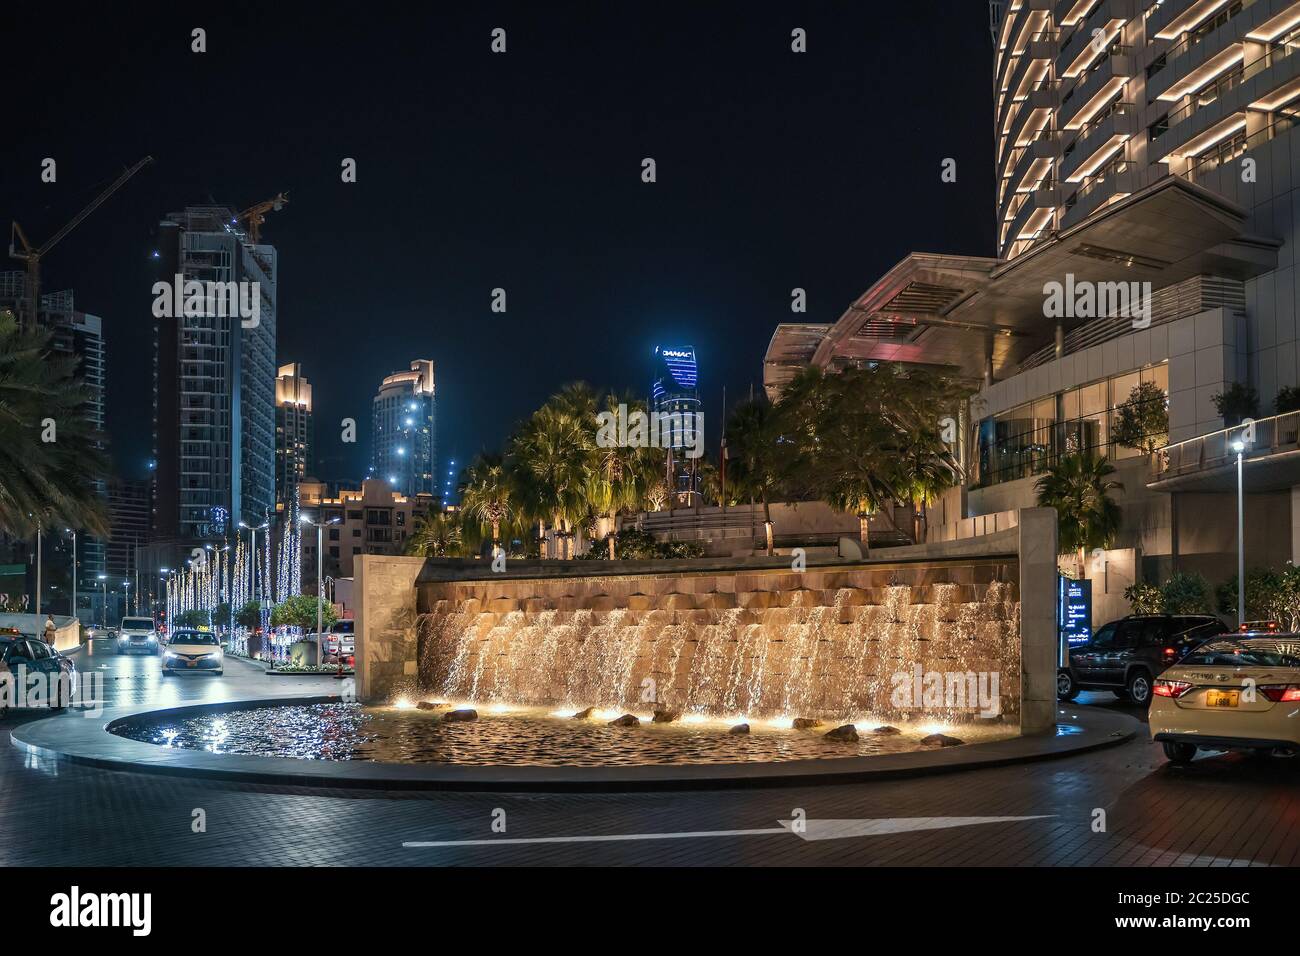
1221 811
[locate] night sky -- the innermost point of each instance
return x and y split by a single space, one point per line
520 170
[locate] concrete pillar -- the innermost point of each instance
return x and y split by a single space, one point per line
1039 637
385 628
1295 524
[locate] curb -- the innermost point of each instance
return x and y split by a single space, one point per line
94 744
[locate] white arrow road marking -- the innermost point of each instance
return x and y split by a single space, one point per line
841 829
813 830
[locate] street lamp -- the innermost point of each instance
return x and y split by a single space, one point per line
103 617
1239 446
252 547
320 585
74 575
126 601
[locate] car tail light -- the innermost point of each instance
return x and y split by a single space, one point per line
1171 688
1279 693
1170 651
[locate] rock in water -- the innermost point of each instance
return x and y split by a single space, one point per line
739 729
431 705
584 714
460 716
847 733
940 740
666 716
806 723
627 720
887 731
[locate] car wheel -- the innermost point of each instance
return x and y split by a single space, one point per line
1139 688
1066 688
1179 753
220 672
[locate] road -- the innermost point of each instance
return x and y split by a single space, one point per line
1222 811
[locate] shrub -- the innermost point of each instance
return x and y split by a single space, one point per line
1288 400
1186 594
1236 402
1145 598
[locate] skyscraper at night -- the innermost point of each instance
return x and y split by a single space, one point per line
403 432
674 389
76 335
214 435
293 432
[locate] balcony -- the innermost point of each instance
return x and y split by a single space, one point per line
1208 462
1106 76
1108 16
1113 126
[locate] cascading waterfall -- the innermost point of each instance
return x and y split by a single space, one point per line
829 653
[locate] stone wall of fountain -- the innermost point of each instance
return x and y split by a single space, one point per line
725 636
824 643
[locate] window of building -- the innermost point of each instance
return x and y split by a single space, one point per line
1025 440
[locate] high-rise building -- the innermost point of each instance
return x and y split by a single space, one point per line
293 432
81 336
404 438
1146 271
674 391
214 433
130 516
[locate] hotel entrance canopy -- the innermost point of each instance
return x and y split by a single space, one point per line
962 311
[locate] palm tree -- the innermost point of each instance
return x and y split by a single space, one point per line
553 450
858 465
435 535
49 459
755 455
1078 487
619 474
487 493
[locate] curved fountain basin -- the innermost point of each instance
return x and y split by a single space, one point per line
518 737
90 742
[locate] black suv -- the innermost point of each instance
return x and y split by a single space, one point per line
1124 656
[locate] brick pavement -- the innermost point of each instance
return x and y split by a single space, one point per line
1221 811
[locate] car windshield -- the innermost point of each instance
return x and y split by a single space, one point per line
137 624
193 637
1241 654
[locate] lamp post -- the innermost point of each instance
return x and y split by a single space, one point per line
126 601
38 569
74 574
320 585
103 614
1239 447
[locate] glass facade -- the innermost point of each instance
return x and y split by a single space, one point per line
1023 441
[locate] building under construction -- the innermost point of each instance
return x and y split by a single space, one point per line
214 388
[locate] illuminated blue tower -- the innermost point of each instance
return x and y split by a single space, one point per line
674 389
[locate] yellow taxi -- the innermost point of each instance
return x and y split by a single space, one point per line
1236 692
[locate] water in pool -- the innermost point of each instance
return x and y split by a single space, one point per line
517 737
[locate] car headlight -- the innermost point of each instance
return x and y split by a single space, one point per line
171 654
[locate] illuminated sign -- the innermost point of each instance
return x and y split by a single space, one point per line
1074 610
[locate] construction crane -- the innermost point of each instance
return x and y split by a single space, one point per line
256 215
33 257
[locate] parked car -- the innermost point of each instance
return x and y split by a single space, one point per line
21 656
1125 656
192 650
1234 693
137 634
340 637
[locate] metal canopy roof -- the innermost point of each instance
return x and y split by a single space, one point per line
946 310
